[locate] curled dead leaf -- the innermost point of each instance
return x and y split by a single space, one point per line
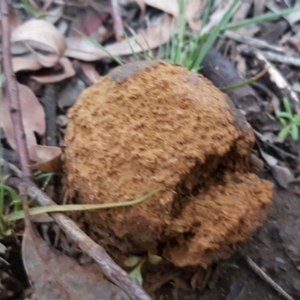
26 62
54 165
38 35
67 72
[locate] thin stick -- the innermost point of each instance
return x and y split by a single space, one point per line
118 23
254 267
13 94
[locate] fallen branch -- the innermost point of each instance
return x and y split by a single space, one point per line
13 94
118 23
254 267
107 265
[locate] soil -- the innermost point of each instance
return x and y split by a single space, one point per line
158 126
275 248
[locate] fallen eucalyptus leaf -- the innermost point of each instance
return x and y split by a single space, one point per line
282 175
56 276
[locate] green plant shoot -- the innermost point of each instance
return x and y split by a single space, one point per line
289 121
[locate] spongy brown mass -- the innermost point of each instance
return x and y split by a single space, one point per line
153 125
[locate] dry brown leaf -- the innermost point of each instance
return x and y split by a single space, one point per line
67 72
295 42
56 276
33 118
171 6
39 35
26 62
192 14
44 153
90 72
158 33
54 14
142 6
54 165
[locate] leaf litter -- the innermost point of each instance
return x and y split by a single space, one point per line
56 276
42 53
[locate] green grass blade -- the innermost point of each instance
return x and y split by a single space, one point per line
284 132
31 9
76 207
146 54
296 119
287 106
100 47
179 49
294 132
244 83
134 54
259 19
284 114
214 35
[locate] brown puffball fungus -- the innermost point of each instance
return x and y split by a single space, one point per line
154 125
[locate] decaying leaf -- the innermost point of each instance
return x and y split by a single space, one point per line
33 118
56 276
158 33
171 7
38 35
194 7
67 72
90 72
54 165
27 62
44 153
282 175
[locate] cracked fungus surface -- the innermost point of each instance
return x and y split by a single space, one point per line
148 126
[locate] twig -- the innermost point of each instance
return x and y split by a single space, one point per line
12 167
258 43
275 57
280 84
13 94
118 23
254 267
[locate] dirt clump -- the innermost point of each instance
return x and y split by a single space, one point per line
153 125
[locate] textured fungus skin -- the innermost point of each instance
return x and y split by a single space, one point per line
155 126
